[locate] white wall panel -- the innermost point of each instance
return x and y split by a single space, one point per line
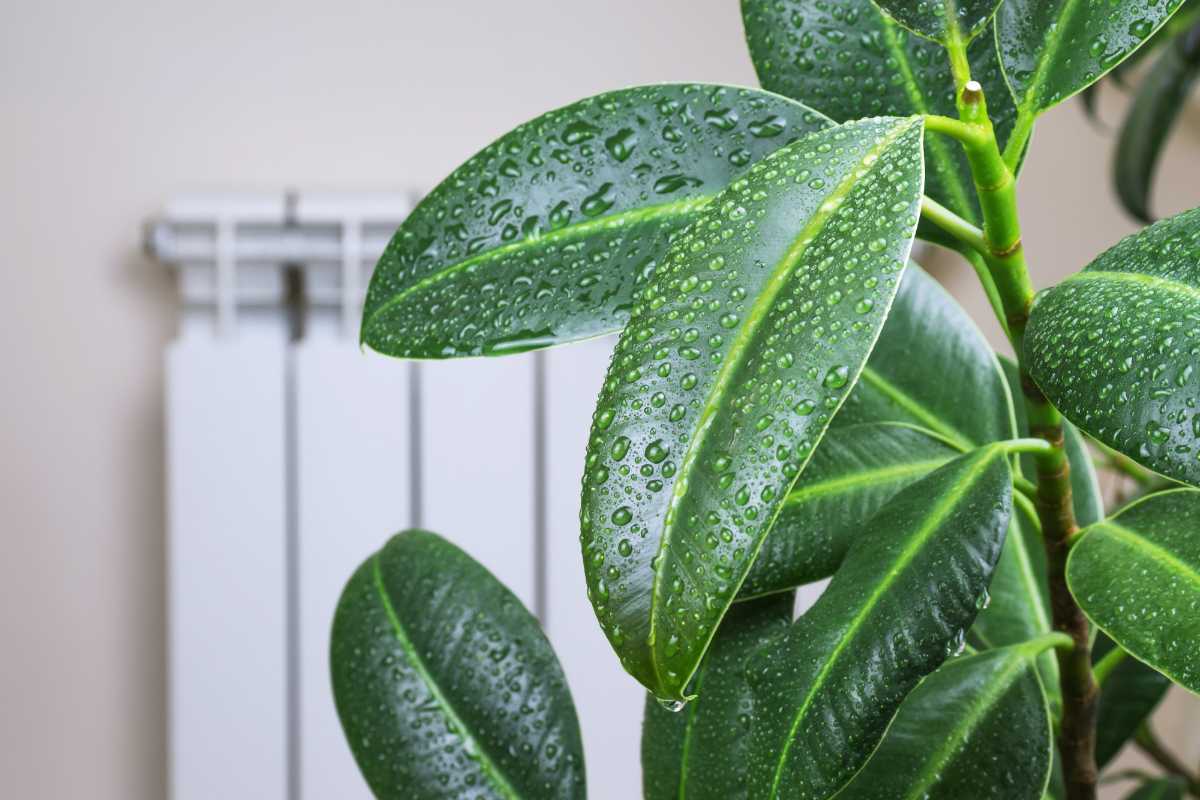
353 475
477 451
609 701
226 566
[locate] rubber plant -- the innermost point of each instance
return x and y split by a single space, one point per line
789 400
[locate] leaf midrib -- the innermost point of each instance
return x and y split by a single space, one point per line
1171 285
741 344
490 769
1033 90
932 521
997 685
1151 549
946 167
630 217
844 483
914 407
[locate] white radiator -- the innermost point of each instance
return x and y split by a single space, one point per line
292 455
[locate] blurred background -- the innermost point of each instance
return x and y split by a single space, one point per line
112 110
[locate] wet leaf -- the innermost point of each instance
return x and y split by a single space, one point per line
933 368
945 21
1018 609
1052 49
849 60
899 605
700 753
853 473
735 359
546 235
977 728
1114 347
445 685
1137 577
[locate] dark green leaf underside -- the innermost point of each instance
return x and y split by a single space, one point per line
446 686
1161 789
1128 695
1160 98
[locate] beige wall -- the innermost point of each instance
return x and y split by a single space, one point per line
111 108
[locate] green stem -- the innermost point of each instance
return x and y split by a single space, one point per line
1018 139
953 224
1106 665
1005 257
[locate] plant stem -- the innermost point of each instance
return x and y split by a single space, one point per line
1106 665
1149 744
953 224
1005 257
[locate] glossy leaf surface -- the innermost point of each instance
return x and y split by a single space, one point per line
848 59
1137 577
545 236
1019 604
1128 695
1115 346
899 605
945 21
977 728
700 753
736 357
933 368
1161 789
445 685
1052 49
852 474
1156 106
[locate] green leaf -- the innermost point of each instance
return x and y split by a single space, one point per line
946 21
445 685
1114 347
850 60
700 753
977 728
899 605
1052 49
735 359
547 234
853 473
1086 496
933 368
1137 577
1128 695
1019 607
1161 789
1159 100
